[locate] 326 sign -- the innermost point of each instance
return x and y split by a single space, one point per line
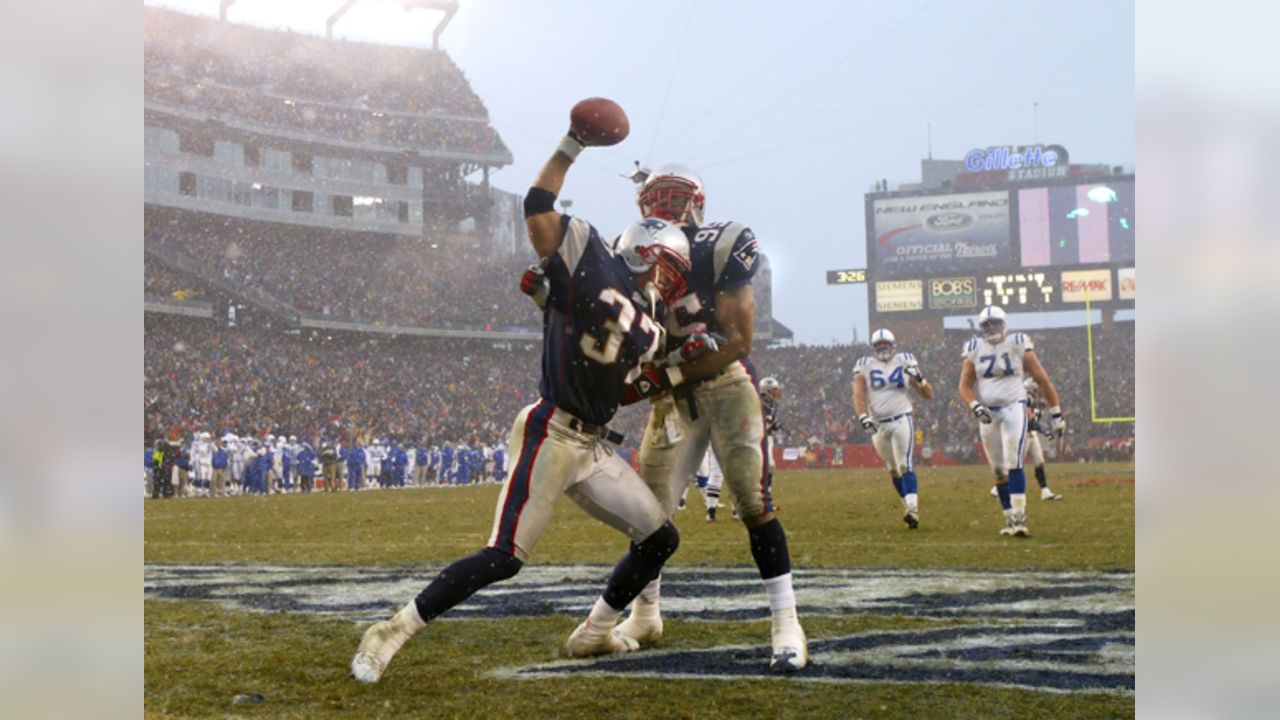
846 277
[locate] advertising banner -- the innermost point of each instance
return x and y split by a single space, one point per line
1128 284
940 234
953 293
899 295
1093 284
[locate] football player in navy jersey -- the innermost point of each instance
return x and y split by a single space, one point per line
598 328
718 403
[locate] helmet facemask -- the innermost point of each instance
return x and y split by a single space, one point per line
883 350
993 330
674 199
669 271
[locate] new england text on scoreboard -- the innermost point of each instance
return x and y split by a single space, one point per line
1043 247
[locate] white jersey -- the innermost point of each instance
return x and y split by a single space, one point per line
999 368
201 453
887 384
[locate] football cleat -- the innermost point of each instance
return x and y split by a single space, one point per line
379 644
711 514
682 504
642 630
1008 525
1020 525
590 639
790 648
912 519
1047 494
994 492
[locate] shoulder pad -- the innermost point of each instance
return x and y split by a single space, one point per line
736 253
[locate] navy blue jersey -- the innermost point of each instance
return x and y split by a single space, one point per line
724 258
598 326
771 422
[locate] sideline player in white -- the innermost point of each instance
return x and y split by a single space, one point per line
202 463
710 479
991 376
1036 428
1036 405
597 331
884 408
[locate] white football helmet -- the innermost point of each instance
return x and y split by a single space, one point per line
883 343
771 387
994 323
653 242
674 193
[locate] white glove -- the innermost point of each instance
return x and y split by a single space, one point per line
981 412
867 423
913 370
1059 423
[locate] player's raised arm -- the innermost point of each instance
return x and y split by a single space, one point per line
736 313
540 215
921 384
594 121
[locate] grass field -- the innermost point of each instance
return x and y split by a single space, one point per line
214 633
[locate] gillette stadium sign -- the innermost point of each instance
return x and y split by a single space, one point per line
1023 162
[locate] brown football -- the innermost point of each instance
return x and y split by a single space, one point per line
599 121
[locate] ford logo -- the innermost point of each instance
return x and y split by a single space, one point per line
948 221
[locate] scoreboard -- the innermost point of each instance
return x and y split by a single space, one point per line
1047 246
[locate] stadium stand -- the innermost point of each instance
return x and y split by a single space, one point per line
201 375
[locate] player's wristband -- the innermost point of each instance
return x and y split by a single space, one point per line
974 405
570 146
675 376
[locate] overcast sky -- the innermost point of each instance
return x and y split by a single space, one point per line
789 111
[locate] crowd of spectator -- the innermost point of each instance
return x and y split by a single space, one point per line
365 278
199 376
417 98
159 282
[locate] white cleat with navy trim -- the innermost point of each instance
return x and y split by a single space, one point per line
790 647
643 630
382 641
590 639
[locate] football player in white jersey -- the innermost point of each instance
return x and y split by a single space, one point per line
1036 406
991 383
710 478
883 404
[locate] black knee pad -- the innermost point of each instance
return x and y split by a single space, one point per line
661 544
504 566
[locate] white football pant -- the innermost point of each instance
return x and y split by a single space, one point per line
553 459
731 421
1004 438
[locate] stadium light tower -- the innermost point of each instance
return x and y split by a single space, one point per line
448 7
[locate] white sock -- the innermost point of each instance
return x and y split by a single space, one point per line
781 594
1008 513
646 604
603 614
911 501
408 620
1019 502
